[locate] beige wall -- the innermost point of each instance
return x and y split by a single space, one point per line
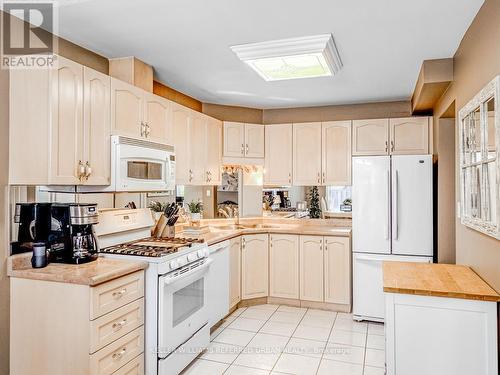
476 62
233 113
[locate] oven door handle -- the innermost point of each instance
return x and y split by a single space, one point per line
194 271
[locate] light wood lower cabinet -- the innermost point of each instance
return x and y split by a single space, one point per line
234 272
311 268
254 266
337 270
284 266
325 269
77 329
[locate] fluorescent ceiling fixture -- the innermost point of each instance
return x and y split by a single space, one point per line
304 57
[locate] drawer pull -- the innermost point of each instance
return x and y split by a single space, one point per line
120 354
120 294
119 325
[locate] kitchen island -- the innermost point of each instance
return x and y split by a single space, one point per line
440 319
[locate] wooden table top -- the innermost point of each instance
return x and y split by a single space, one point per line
439 280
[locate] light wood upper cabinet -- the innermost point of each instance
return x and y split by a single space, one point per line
243 140
197 149
214 152
337 270
254 141
336 153
127 107
234 139
307 154
284 266
67 123
97 126
65 113
409 135
254 266
311 268
279 154
181 122
157 114
234 272
370 137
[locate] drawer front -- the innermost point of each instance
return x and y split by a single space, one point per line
116 293
134 367
115 355
112 326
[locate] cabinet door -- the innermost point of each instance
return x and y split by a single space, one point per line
370 137
254 141
254 266
157 113
198 149
337 270
284 266
336 153
214 151
307 154
126 109
234 139
97 126
409 135
311 268
279 154
67 123
181 122
234 272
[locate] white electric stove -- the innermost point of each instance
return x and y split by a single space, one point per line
176 320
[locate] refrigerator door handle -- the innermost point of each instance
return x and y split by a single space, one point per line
396 207
387 222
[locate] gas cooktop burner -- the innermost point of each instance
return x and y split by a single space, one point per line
152 247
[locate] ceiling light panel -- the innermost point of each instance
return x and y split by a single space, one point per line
305 57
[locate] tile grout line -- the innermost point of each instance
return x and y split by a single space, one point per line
327 341
250 339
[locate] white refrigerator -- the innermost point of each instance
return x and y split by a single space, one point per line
391 221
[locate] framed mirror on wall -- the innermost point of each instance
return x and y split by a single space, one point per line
479 129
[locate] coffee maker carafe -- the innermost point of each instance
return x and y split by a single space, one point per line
74 241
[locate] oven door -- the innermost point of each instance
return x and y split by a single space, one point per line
143 169
182 305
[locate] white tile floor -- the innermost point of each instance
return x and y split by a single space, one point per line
273 340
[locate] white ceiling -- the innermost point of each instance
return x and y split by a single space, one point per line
381 43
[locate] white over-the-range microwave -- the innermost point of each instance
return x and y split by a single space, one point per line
137 165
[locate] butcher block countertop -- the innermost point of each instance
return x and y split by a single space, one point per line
93 273
439 280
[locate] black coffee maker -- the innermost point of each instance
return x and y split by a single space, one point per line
34 221
66 229
72 239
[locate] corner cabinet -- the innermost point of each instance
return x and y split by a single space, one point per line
279 155
234 272
243 140
284 266
307 154
254 266
65 112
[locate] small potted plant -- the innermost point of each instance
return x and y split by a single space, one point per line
157 208
195 208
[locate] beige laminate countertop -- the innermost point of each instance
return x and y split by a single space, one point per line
217 235
439 280
93 273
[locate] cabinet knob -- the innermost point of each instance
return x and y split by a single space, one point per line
143 128
247 148
386 147
319 178
392 146
88 170
242 149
